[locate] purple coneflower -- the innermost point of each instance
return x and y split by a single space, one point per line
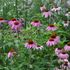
36 23
16 26
12 21
46 13
63 55
66 65
51 27
30 44
67 47
58 51
51 42
11 53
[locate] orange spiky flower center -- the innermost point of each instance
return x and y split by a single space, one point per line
30 42
16 23
1 19
51 25
36 21
53 36
59 48
14 19
68 43
51 39
12 50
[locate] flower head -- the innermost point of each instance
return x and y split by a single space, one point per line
46 13
63 55
36 23
51 42
67 47
66 65
15 25
11 53
58 51
51 27
12 21
30 44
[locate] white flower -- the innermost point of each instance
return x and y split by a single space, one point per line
66 23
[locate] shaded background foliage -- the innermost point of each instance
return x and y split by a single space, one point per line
21 8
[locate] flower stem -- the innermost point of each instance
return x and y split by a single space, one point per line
16 8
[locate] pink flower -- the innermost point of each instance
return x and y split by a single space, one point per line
47 14
12 21
51 27
36 23
16 25
42 8
67 47
39 47
56 38
63 55
10 54
51 42
58 51
30 44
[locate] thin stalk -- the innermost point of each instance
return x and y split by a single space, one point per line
26 13
16 2
3 10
